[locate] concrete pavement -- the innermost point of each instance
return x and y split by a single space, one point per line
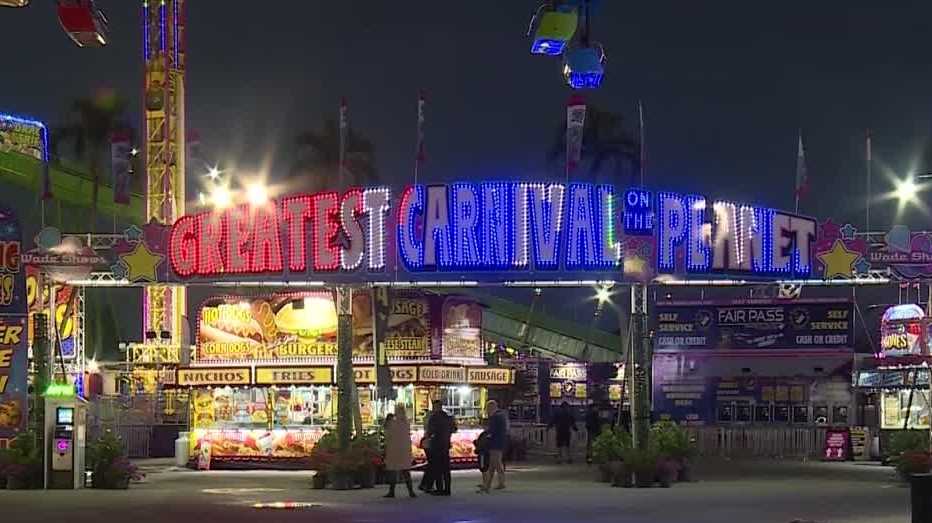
731 492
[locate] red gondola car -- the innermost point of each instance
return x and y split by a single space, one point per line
84 23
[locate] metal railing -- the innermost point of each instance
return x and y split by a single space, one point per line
759 442
140 421
731 442
542 440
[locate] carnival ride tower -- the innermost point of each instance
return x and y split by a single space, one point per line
164 55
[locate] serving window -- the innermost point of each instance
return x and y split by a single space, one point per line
262 407
895 405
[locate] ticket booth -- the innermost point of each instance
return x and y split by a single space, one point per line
65 436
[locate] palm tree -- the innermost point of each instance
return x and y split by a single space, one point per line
91 123
609 150
318 168
318 162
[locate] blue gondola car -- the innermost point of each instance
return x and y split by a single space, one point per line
583 67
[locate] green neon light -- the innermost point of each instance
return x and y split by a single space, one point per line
60 390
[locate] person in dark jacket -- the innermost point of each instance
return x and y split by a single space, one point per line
593 429
439 430
497 440
565 424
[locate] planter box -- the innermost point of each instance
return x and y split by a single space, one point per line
13 483
604 473
644 479
365 477
685 474
622 477
319 481
341 480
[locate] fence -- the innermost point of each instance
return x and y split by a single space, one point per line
543 440
147 424
759 442
732 442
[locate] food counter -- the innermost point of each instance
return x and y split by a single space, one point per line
250 422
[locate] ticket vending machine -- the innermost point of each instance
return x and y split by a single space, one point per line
65 434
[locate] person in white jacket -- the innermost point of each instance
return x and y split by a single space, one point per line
398 458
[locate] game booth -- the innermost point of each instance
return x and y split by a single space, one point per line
262 376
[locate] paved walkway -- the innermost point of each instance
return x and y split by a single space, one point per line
730 492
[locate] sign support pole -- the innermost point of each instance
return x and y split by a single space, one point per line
345 381
640 403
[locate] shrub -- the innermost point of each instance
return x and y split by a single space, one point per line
908 440
610 445
122 469
366 448
914 462
672 440
24 460
106 458
642 461
322 454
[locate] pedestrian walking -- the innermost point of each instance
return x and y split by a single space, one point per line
481 448
427 480
496 442
593 429
565 424
440 429
398 456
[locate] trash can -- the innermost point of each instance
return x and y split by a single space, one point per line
181 450
921 497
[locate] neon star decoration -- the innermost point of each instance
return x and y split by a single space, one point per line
141 263
839 262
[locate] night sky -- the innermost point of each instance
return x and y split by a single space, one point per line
726 86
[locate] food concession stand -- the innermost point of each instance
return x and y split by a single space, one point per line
262 376
894 383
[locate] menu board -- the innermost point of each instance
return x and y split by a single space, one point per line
279 327
860 443
407 334
462 325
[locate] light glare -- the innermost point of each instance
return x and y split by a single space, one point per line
221 197
257 194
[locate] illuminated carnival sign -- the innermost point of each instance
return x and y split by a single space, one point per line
493 227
